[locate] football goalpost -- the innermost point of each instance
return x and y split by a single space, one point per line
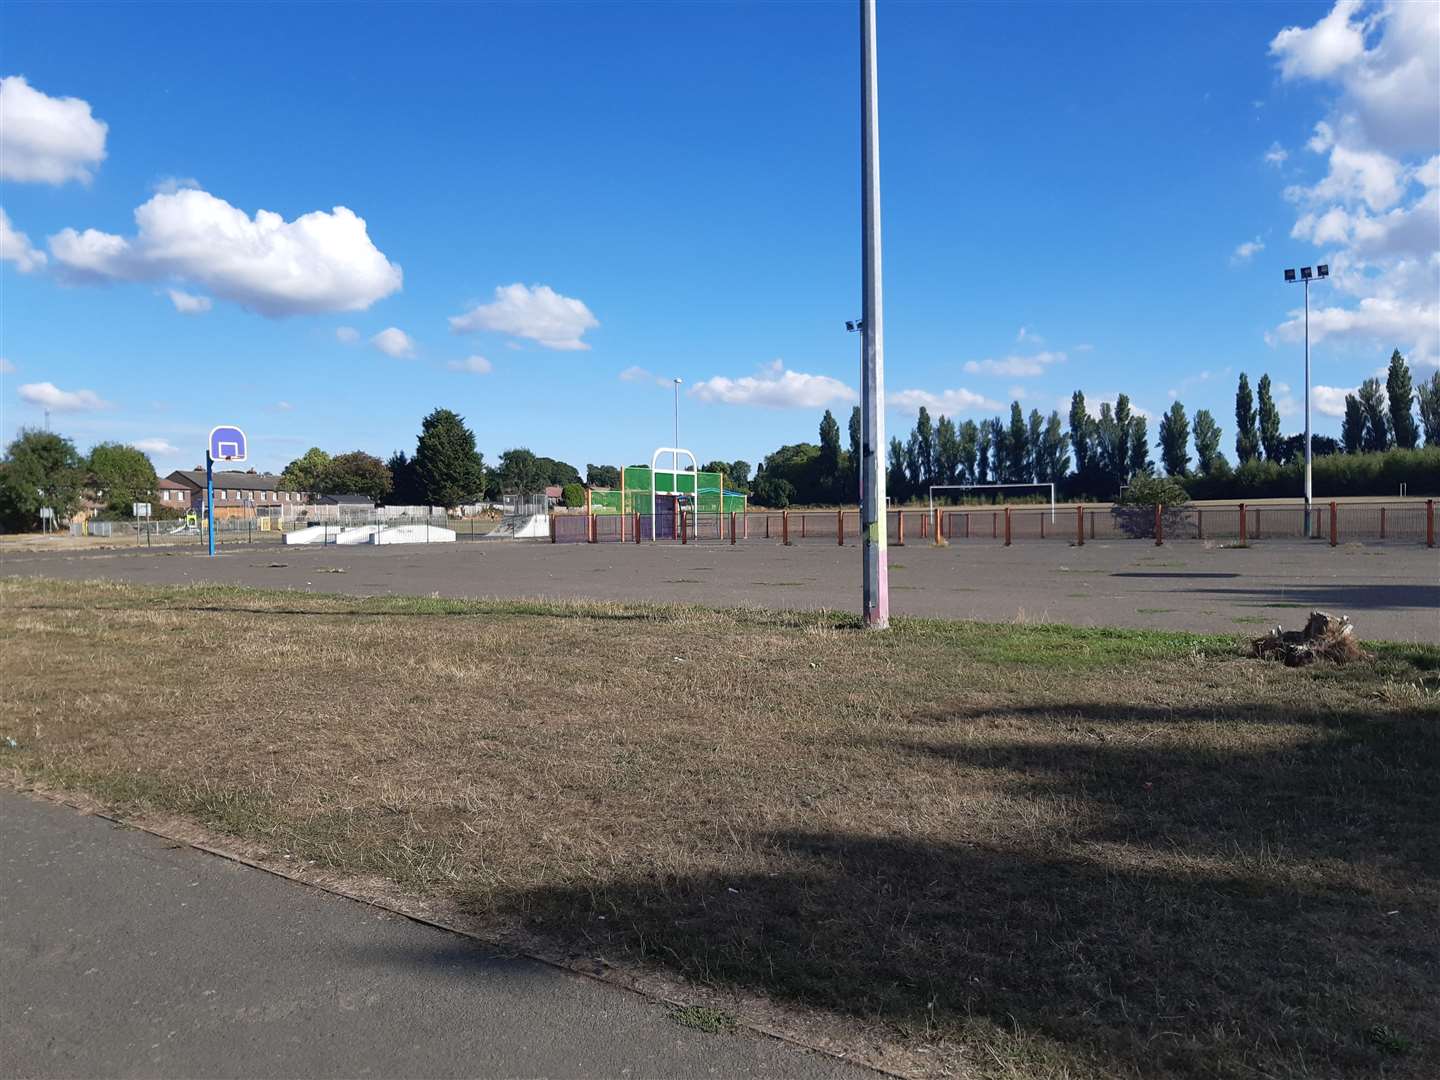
980 487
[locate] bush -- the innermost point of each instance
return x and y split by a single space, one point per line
1334 476
573 495
1134 511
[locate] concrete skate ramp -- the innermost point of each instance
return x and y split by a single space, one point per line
414 534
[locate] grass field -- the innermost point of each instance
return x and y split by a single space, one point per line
1009 850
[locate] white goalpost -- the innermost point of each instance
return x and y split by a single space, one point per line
981 487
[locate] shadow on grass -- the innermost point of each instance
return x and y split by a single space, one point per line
1251 914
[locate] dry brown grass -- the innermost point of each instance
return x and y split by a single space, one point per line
1025 850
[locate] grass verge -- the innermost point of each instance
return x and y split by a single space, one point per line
1027 850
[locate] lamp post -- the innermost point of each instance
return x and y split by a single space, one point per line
875 572
1306 276
677 415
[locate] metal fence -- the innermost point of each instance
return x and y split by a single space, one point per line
1411 522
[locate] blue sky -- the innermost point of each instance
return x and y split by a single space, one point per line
564 206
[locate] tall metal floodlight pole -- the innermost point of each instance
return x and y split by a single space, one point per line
876 587
1323 271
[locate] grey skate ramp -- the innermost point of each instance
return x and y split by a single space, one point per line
123 955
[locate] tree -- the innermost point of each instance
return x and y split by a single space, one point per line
1139 455
405 482
855 462
573 495
39 469
303 474
1052 455
558 473
1082 432
1377 417
737 474
772 492
521 472
831 479
357 473
1293 448
924 449
1207 443
982 452
947 451
1112 444
1352 428
1175 440
122 474
798 464
1269 421
1017 447
1402 400
968 451
999 451
895 482
450 471
1247 438
1429 393
1034 433
602 476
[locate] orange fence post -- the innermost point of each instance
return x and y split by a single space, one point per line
1042 526
899 528
1007 526
967 524
840 527
785 527
767 526
1382 523
994 517
684 536
1159 524
637 526
1243 540
1092 524
1333 529
552 526
1430 523
1200 522
924 526
802 525
732 526
938 534
1079 526
591 528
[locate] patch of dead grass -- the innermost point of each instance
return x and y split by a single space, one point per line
1028 850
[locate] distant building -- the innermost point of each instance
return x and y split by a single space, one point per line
237 494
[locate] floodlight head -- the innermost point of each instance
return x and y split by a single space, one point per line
1305 274
1289 275
1323 270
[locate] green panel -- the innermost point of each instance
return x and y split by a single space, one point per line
605 502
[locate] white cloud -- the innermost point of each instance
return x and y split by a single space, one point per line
49 396
1330 400
1247 251
393 341
283 406
347 335
636 373
15 247
1026 334
476 365
6 367
1189 381
1276 155
1319 51
187 304
946 402
536 312
155 446
777 388
1015 366
1375 212
171 184
44 139
320 262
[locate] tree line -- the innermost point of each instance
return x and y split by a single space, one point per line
1094 456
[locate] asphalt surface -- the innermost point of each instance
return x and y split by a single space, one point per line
1391 591
123 955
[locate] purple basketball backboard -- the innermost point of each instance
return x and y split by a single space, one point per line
227 443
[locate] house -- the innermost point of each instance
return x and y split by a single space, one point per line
237 494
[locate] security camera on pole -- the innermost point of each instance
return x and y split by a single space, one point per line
1321 271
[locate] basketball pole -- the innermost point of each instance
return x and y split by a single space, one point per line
873 527
210 500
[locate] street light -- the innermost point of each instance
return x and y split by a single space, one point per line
1321 271
676 444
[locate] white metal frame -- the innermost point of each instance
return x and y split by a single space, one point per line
675 473
976 487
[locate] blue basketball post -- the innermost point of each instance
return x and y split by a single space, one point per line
210 499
